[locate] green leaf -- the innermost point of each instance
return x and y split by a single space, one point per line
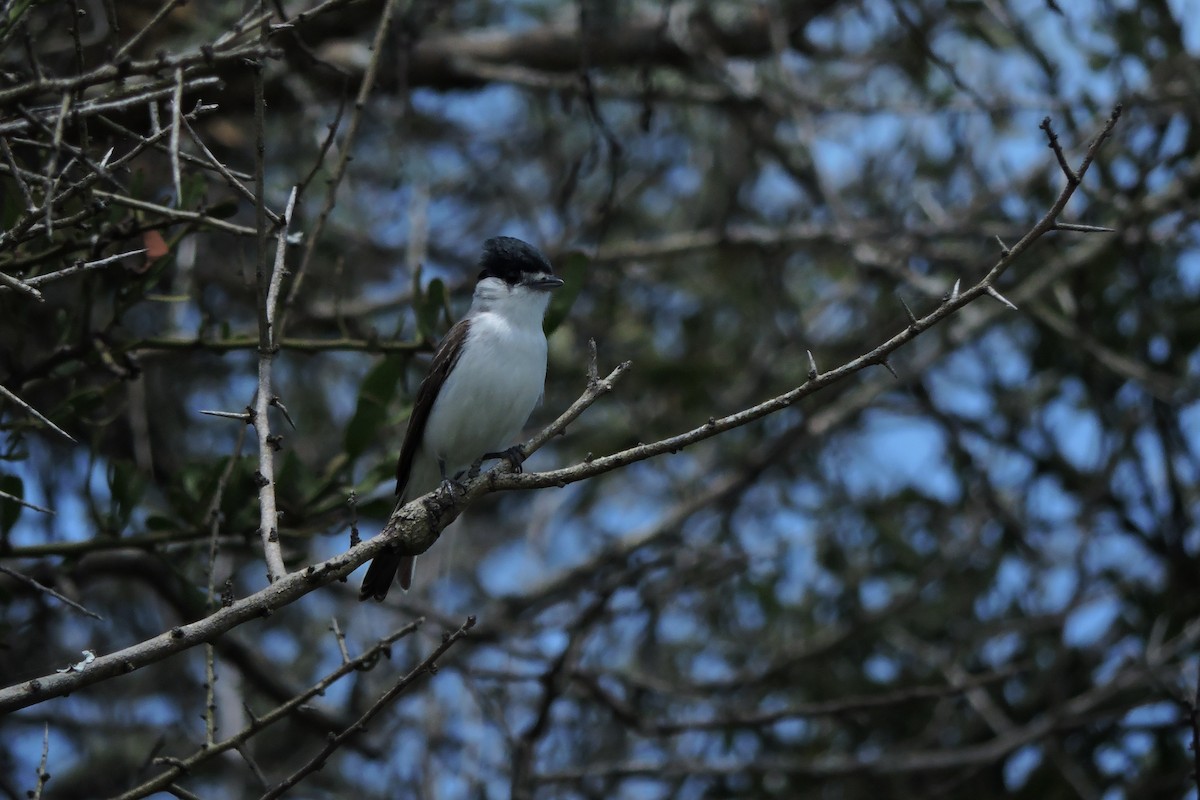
376 393
428 306
126 484
10 510
193 188
573 271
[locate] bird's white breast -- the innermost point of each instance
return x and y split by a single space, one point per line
492 389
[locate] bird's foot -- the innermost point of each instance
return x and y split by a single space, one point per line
515 456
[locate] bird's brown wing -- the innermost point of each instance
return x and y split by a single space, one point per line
444 359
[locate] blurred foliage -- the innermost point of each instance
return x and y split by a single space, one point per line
974 580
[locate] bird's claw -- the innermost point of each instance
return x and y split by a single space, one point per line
515 456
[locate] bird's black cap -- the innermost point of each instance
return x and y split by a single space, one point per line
512 260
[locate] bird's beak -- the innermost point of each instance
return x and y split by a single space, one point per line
545 284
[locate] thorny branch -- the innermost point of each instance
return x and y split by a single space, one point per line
264 399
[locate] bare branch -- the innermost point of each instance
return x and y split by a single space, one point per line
81 266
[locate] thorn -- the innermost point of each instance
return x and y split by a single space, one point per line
26 503
1004 251
999 297
275 401
912 318
813 372
1072 226
36 413
239 415
883 362
955 290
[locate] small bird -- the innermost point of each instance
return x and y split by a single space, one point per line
486 377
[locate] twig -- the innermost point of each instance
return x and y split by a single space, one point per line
42 775
33 583
100 545
92 108
821 708
26 226
177 214
158 17
428 666
21 286
594 391
214 547
341 639
188 157
182 793
1072 178
176 122
79 266
226 173
10 159
244 342
220 52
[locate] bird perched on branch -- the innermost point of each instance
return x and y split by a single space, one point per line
487 375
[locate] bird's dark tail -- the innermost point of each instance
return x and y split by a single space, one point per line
386 567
